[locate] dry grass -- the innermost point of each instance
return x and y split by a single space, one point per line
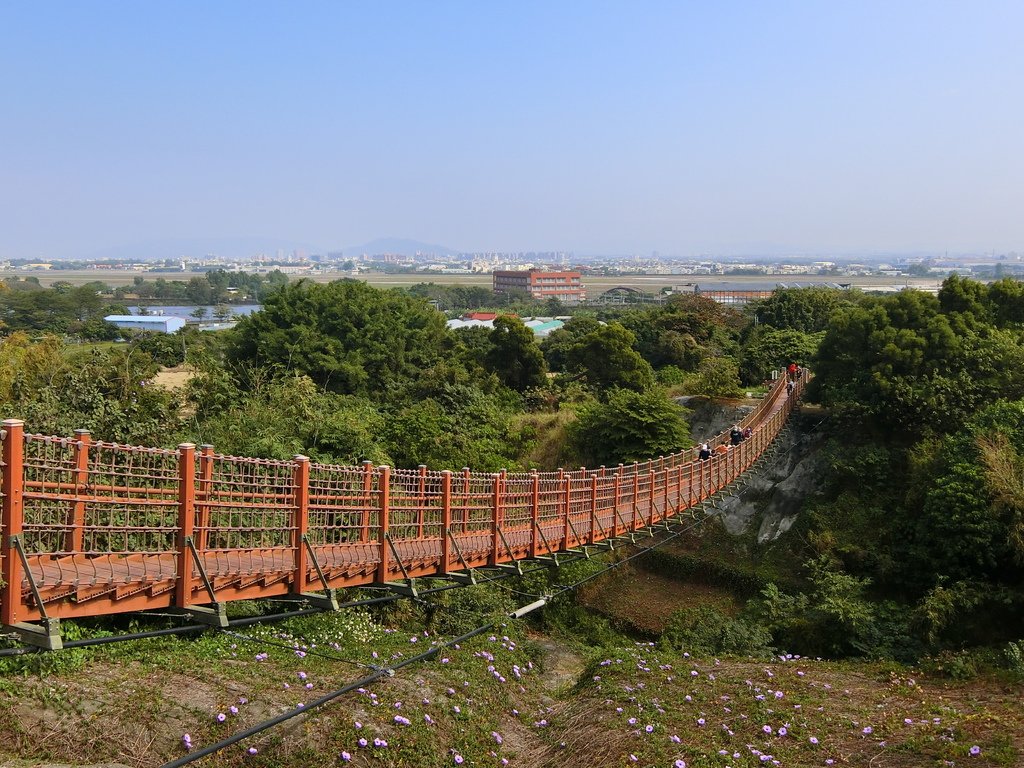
646 601
173 378
548 451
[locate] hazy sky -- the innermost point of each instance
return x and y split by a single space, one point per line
600 128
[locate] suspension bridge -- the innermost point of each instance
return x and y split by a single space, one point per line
92 528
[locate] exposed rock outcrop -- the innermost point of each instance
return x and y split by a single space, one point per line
773 496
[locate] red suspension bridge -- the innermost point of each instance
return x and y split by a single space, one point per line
92 528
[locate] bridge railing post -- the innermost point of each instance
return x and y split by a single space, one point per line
13 518
679 488
534 513
300 523
203 496
75 537
383 511
566 506
593 505
616 518
498 517
636 493
446 521
186 524
421 499
368 503
467 500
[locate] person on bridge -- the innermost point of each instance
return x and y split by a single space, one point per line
705 452
735 435
789 387
792 371
721 449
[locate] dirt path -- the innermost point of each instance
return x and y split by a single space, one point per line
562 667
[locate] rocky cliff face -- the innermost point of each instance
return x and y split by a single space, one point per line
773 496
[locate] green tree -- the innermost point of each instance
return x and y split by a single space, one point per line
606 358
558 342
629 426
348 337
514 355
281 417
801 309
717 377
769 349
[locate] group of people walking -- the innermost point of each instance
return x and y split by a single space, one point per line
736 436
794 373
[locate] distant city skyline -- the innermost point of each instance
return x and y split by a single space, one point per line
733 129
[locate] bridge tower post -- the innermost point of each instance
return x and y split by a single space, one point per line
75 537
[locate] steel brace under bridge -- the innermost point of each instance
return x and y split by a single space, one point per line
92 528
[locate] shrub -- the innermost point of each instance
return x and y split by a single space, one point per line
705 631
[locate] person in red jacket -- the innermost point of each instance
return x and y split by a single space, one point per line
792 371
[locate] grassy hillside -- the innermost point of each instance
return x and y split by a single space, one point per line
511 696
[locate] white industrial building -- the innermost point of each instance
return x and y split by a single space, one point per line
158 323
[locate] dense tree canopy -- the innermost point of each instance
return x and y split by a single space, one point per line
606 358
629 426
514 355
346 336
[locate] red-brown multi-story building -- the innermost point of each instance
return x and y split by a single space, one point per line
567 287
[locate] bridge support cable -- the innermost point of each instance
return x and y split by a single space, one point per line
329 599
214 614
46 634
378 674
409 587
467 575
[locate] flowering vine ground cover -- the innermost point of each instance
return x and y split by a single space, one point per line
489 703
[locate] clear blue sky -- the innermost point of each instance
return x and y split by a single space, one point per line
600 128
